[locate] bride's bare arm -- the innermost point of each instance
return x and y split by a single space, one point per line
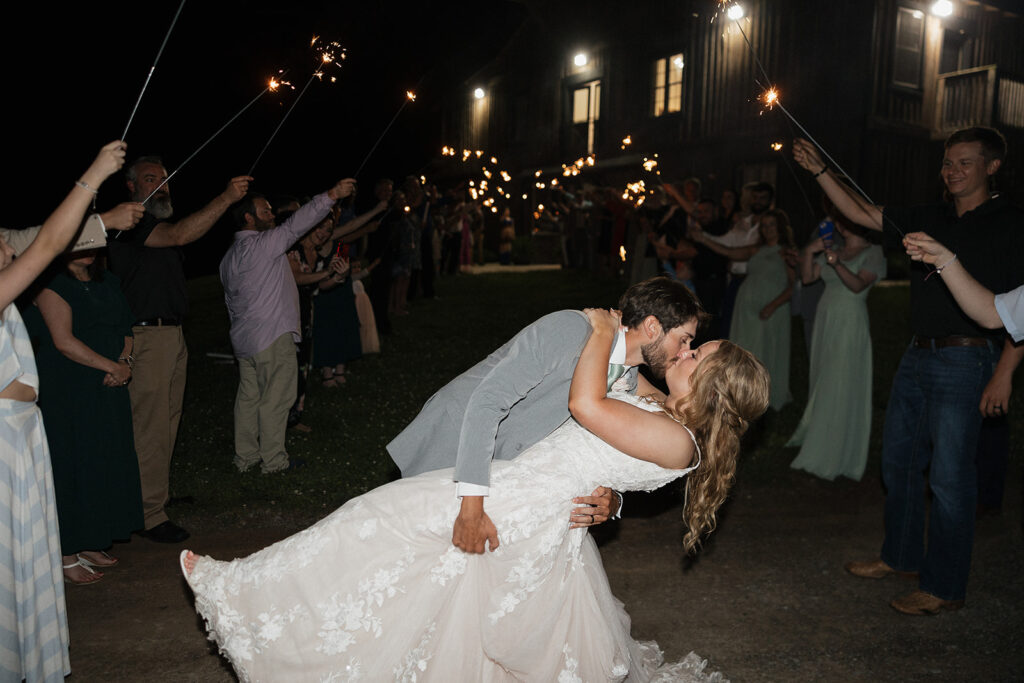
636 432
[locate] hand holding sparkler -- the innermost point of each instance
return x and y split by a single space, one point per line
922 247
124 216
236 189
342 189
805 154
108 162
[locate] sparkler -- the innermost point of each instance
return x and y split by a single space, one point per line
410 96
330 53
272 86
152 69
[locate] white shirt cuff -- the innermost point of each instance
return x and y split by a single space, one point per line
464 488
622 504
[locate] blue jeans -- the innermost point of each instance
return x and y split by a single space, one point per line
931 427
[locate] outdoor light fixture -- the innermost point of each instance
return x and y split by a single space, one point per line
580 59
736 12
478 93
942 8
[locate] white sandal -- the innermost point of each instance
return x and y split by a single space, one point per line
84 566
89 563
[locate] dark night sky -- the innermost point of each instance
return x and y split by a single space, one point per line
74 70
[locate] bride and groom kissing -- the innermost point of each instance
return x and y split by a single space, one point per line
394 585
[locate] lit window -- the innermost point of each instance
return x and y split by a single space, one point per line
668 85
909 48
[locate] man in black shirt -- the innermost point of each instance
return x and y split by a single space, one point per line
933 417
148 260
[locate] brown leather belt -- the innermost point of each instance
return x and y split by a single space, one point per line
953 340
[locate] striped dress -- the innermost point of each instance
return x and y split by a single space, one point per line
33 620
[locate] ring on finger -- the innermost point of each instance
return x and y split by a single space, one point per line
591 519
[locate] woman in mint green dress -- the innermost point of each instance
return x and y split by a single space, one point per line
836 425
760 317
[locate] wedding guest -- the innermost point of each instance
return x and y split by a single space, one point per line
148 261
841 357
263 305
760 316
946 374
82 324
33 628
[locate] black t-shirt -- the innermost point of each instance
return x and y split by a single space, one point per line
152 279
988 241
708 265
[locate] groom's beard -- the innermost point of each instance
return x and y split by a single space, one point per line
655 357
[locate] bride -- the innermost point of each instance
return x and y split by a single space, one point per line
376 591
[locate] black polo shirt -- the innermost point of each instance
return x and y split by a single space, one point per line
152 279
988 241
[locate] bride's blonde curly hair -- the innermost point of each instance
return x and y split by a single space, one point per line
728 390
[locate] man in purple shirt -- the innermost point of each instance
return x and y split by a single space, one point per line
263 304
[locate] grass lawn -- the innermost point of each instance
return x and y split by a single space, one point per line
345 453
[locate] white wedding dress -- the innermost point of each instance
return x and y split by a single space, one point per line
376 591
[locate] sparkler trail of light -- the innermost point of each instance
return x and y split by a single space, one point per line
410 96
327 55
220 130
152 69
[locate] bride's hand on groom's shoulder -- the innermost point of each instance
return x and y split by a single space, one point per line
603 319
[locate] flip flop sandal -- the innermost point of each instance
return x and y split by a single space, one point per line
110 561
84 566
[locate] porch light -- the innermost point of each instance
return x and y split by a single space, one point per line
735 12
580 59
942 8
478 93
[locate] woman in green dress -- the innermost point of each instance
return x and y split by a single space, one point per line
83 327
760 317
836 425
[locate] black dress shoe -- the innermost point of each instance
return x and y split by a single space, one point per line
165 532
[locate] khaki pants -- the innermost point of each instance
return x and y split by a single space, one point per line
157 390
266 390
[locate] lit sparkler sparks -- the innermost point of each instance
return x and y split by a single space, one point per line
626 142
410 95
330 53
622 253
777 146
770 97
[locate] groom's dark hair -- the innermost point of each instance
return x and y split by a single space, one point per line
667 300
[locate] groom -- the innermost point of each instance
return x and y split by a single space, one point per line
520 394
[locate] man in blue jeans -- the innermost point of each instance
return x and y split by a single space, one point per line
951 375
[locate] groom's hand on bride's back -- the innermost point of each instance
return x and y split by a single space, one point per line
474 531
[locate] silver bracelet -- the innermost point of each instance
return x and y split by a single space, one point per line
939 269
85 186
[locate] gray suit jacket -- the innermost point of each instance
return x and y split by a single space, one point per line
502 405
90 236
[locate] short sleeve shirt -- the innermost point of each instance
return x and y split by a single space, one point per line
988 241
152 278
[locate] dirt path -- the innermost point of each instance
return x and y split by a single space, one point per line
767 600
